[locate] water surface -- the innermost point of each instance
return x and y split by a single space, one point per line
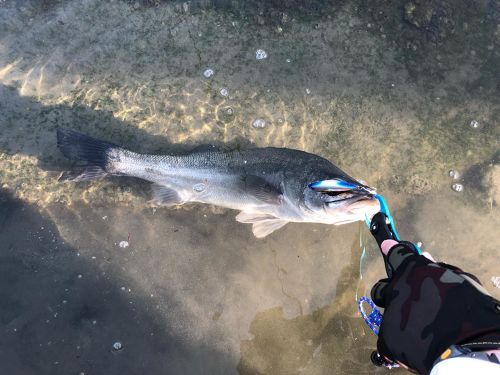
386 93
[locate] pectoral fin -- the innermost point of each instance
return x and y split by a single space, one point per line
253 217
263 224
263 228
261 189
165 196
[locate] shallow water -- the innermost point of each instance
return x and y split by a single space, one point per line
386 94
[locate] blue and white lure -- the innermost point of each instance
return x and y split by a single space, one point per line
339 185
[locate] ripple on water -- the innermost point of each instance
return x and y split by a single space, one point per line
208 73
260 54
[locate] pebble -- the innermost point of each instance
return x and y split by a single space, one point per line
260 54
223 92
229 111
457 187
259 123
496 281
474 124
117 346
454 174
208 73
308 91
124 244
288 60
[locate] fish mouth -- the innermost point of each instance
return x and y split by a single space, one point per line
338 196
349 207
358 193
346 201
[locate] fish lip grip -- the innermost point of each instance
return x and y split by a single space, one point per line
382 225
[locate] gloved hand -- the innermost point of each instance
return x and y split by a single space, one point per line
428 306
377 292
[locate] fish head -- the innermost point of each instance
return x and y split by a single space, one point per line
340 201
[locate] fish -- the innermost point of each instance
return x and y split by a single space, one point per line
269 186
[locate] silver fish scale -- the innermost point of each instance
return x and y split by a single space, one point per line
269 185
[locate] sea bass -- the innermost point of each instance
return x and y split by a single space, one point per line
269 186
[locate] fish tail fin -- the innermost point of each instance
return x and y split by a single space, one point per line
82 148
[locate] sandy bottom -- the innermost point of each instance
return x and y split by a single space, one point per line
385 92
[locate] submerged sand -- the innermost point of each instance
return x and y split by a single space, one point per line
385 92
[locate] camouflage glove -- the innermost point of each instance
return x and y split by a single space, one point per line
428 307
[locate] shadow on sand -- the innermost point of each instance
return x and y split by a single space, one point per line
61 313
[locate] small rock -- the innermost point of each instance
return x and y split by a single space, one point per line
123 244
223 92
457 187
117 346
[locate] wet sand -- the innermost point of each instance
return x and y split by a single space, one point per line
385 94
